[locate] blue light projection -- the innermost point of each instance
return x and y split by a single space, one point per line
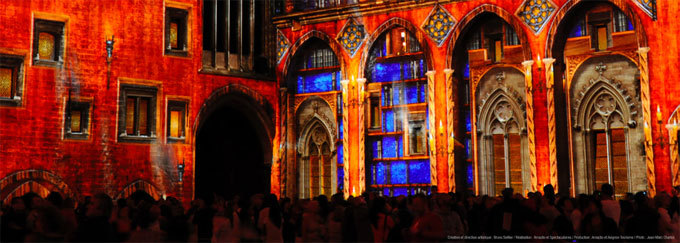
400 191
386 72
398 173
340 158
389 147
321 82
380 173
388 121
412 94
419 171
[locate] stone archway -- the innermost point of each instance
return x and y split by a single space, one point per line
41 182
233 142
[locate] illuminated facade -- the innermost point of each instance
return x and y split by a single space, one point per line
315 97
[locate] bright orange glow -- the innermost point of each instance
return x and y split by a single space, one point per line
46 46
5 82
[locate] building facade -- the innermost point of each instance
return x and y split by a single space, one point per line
187 98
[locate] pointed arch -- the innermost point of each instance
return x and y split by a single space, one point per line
509 18
387 25
33 180
300 42
139 185
557 24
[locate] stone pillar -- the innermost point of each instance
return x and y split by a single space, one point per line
531 137
647 115
345 137
552 132
451 142
361 97
432 128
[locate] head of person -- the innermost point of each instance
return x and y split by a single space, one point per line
100 206
607 190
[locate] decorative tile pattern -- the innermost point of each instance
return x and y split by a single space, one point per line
351 36
438 25
282 45
535 13
649 6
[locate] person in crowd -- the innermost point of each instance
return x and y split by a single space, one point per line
610 207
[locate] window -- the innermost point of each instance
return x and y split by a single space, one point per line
600 36
77 120
176 31
417 137
507 162
137 115
48 42
621 22
511 37
233 36
176 120
609 156
397 155
11 79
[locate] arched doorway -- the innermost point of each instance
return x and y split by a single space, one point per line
233 145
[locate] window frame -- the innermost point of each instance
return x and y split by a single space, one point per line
176 105
171 13
16 63
85 108
134 90
56 29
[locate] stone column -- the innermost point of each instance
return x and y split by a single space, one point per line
451 143
432 128
531 137
361 96
345 138
647 115
552 132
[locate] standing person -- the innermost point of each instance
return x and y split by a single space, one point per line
226 223
381 220
451 222
96 226
312 223
270 220
427 226
610 207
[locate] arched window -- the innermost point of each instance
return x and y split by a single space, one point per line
599 129
397 158
314 79
491 122
501 132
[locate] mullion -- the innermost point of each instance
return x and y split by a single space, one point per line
136 116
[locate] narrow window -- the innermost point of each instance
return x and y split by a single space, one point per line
610 159
176 120
601 38
77 120
48 42
176 31
375 112
498 50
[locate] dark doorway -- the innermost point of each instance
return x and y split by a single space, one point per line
231 151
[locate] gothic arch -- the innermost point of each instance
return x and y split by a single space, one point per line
603 103
316 128
509 18
332 43
139 185
39 181
557 24
387 25
501 112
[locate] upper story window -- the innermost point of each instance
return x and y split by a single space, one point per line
600 24
48 42
234 37
315 69
493 35
11 79
176 31
137 114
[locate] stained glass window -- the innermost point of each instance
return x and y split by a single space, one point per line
397 157
45 46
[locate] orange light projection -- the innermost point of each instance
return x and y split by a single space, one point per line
46 46
6 82
175 124
173 35
75 121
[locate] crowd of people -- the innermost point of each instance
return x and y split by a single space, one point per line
367 218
